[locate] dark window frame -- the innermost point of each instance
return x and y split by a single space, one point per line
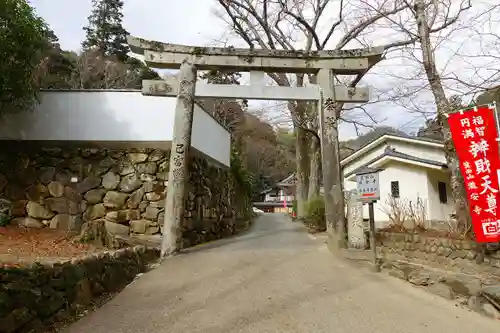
442 192
395 189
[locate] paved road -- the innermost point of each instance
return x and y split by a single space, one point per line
274 279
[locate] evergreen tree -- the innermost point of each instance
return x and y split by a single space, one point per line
105 31
23 39
142 71
56 66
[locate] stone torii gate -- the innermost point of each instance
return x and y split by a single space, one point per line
189 59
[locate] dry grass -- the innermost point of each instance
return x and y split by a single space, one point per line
407 216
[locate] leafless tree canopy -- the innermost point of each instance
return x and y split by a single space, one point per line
93 71
342 24
461 36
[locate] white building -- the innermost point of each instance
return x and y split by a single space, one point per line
278 198
414 173
277 195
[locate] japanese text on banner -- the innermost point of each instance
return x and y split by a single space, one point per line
474 135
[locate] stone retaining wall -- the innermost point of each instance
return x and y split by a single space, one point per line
32 297
439 249
124 189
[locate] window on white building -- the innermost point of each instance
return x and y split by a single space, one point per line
443 196
395 189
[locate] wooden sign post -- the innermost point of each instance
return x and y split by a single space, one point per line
368 187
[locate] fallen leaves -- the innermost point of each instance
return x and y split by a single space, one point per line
23 244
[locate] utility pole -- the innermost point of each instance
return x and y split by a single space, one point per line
325 64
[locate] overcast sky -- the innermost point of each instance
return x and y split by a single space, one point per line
159 20
189 22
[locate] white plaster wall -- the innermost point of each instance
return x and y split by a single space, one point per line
113 116
279 197
269 197
210 137
421 151
439 211
283 196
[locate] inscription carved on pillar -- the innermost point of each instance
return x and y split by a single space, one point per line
355 225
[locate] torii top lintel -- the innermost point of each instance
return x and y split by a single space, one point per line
170 56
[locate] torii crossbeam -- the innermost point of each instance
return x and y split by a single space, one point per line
171 56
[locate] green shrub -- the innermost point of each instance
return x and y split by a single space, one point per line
315 213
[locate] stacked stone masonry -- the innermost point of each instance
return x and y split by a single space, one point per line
440 249
35 296
64 188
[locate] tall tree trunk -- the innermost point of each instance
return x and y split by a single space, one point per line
314 170
302 156
443 107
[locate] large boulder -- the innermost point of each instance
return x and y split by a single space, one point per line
63 206
36 192
153 196
38 211
95 212
117 228
110 180
88 184
137 157
47 174
126 168
130 183
114 199
139 226
156 155
121 216
95 196
144 227
147 167
151 213
136 198
56 189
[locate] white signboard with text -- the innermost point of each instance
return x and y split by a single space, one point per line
368 187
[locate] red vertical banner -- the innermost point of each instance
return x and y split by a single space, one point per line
474 135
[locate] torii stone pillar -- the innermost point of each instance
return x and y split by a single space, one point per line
178 168
332 174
